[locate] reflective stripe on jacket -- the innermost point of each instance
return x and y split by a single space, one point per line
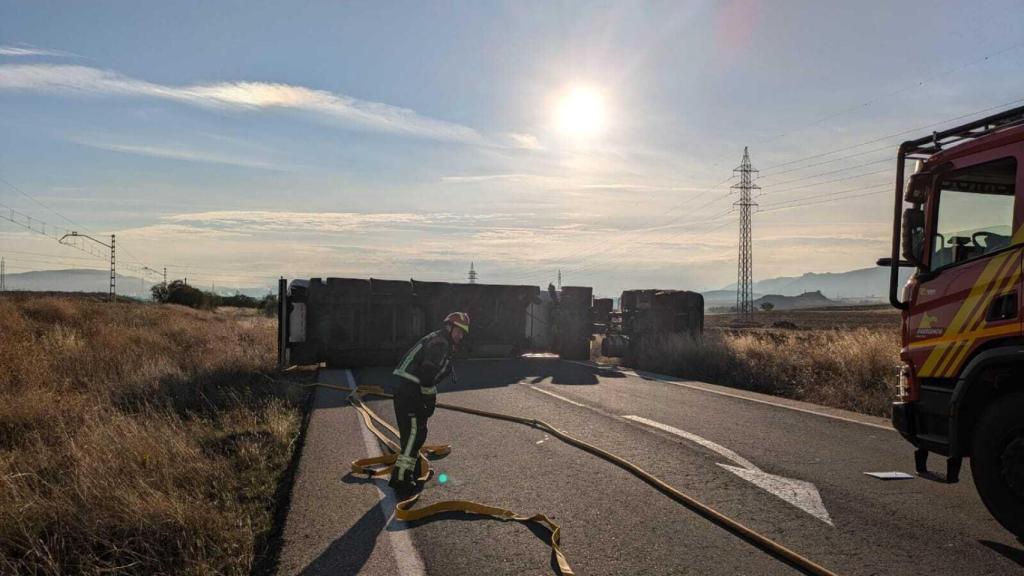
428 362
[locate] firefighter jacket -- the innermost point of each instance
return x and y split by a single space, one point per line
428 362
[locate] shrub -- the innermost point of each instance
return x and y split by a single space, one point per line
845 369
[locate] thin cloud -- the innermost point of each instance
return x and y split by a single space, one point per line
242 96
186 154
524 141
254 221
28 50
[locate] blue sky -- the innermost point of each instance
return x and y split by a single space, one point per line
241 141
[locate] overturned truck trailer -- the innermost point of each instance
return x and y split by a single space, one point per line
646 315
370 322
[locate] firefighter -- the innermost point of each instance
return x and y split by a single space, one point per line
415 379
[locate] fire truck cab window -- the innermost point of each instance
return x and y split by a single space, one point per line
975 212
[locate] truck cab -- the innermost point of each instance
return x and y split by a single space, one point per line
959 222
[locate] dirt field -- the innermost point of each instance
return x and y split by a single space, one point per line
882 317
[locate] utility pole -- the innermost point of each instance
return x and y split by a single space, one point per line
165 275
745 265
113 268
113 272
472 274
3 271
559 280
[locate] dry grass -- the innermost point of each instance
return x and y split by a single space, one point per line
850 369
137 439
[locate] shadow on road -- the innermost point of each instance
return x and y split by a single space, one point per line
480 374
539 531
1014 554
349 553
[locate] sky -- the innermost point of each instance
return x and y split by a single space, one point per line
237 142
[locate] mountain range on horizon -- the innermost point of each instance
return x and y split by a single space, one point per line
92 280
860 284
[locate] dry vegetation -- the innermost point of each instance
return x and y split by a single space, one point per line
840 358
137 439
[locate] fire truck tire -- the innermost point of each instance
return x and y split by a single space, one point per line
997 461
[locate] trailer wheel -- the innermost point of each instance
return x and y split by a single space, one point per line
997 461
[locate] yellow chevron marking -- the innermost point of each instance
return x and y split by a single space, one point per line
974 334
954 367
971 307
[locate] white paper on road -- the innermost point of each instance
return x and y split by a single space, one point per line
890 475
799 493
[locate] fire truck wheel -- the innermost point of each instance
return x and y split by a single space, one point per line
997 461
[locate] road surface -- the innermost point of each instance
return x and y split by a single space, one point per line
792 471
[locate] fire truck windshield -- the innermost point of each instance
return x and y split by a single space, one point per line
975 213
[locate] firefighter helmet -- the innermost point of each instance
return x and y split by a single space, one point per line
460 319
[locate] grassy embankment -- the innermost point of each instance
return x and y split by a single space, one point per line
841 358
137 439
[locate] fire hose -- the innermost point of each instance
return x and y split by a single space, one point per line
380 467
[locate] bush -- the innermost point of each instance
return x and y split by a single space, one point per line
177 292
851 369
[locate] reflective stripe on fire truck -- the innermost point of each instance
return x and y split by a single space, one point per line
951 348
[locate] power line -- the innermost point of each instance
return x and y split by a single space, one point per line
910 86
844 179
802 178
40 227
62 216
827 200
887 148
895 134
612 249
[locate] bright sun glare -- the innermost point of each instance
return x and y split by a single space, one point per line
581 112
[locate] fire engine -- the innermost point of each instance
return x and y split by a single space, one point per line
959 222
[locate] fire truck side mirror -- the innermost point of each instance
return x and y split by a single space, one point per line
913 236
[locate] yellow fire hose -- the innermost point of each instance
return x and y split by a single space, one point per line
380 466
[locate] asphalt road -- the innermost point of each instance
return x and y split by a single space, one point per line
792 471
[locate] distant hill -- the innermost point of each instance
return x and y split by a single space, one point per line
75 280
84 280
806 300
718 298
864 283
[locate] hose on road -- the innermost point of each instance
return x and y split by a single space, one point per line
380 466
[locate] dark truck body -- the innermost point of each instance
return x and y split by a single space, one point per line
353 322
650 314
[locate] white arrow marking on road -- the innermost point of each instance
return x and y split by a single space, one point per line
799 493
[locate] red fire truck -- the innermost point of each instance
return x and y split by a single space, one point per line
959 221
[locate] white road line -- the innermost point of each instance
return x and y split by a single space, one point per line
562 398
800 493
716 448
406 556
665 379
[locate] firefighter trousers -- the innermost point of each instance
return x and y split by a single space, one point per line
411 414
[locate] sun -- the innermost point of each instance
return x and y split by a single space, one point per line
581 112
